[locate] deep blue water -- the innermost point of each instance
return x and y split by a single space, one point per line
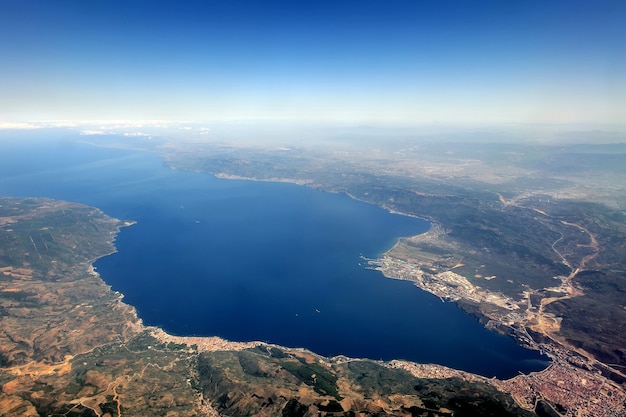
258 261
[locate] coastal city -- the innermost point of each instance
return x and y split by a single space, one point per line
578 391
571 381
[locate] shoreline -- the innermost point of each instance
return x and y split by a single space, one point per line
214 340
523 387
563 362
532 381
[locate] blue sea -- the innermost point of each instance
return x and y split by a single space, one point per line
249 260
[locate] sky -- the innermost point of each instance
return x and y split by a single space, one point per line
388 62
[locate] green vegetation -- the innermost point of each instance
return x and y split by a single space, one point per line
255 382
322 380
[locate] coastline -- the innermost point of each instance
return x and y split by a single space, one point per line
523 388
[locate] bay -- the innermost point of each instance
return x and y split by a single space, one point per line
249 260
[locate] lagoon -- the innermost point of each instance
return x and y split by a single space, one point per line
251 260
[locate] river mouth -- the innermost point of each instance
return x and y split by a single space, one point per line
262 261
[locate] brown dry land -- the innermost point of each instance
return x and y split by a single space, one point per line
69 346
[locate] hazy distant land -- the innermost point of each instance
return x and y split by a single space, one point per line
530 239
